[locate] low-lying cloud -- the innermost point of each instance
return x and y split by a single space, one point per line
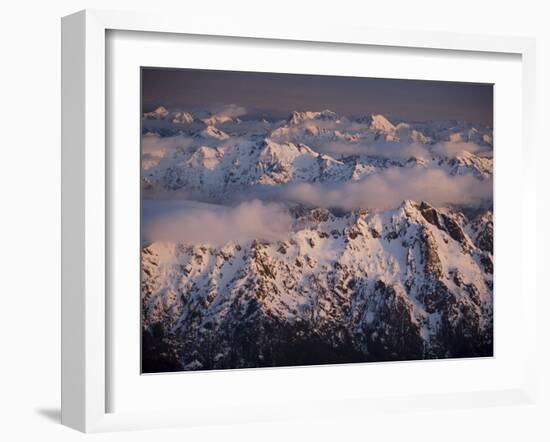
400 150
389 188
382 149
154 147
196 223
451 149
225 113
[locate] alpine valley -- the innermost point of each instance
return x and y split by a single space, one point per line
315 239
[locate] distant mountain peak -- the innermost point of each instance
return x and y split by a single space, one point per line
182 117
158 114
214 132
177 117
299 117
381 123
217 119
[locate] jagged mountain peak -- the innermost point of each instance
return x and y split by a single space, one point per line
401 282
158 114
182 117
176 117
214 132
381 123
217 119
299 117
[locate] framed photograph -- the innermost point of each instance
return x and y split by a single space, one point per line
270 223
278 237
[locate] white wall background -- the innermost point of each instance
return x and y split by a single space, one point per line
30 219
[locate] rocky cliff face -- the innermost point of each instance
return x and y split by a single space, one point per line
409 283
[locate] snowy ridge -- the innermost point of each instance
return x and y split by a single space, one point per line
371 286
313 147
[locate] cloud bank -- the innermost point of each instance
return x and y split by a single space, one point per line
196 223
382 149
399 150
388 189
225 113
154 147
451 149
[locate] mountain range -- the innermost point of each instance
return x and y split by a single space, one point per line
372 240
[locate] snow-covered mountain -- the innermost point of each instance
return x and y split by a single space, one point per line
160 113
355 278
311 147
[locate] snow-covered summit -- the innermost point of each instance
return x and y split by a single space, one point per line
216 119
413 282
176 117
381 123
182 117
299 117
214 132
313 147
159 113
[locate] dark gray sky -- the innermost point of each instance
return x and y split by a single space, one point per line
277 95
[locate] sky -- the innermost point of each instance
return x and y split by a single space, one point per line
277 95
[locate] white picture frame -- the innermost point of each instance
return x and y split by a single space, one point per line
85 199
